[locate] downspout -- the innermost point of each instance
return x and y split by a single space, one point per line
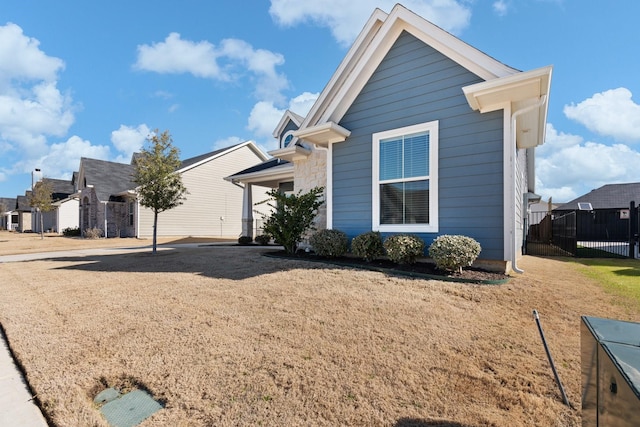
105 219
514 116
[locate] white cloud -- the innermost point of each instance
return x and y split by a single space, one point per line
227 142
230 61
611 113
22 59
64 157
500 7
265 116
31 105
346 19
175 56
302 103
567 166
127 140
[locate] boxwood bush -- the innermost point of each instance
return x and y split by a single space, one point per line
367 246
244 240
404 248
329 243
263 239
452 252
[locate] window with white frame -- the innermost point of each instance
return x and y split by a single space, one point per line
405 179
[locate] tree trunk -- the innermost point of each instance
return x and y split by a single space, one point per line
155 230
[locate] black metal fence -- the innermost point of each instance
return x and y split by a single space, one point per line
603 233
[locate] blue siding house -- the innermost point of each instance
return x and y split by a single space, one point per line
418 132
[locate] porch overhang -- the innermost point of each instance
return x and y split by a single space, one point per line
291 153
270 178
526 94
323 134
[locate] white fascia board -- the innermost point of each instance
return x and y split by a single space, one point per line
291 153
323 134
288 115
492 94
248 143
401 19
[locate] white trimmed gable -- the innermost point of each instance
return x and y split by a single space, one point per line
373 44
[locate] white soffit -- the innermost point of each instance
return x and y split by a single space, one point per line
493 94
324 134
290 153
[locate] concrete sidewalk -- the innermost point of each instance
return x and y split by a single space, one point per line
17 408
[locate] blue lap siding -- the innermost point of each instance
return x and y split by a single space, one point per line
416 84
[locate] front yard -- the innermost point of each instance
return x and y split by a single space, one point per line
225 336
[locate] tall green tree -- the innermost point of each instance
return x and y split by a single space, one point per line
292 216
41 198
160 187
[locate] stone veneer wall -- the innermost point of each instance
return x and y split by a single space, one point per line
309 173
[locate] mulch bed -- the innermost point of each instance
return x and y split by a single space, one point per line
419 269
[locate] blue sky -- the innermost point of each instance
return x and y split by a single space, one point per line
92 79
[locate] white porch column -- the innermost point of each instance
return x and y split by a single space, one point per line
247 211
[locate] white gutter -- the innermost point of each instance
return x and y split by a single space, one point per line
514 131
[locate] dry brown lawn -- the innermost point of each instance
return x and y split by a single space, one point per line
224 336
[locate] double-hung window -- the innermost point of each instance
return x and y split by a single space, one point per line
405 179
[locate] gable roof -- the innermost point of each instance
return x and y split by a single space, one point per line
22 202
203 158
373 44
60 188
610 196
9 203
370 48
107 178
286 117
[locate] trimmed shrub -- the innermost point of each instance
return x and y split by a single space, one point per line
244 240
71 232
263 239
404 248
92 233
329 243
452 252
367 246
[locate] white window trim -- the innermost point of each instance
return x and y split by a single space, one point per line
284 137
432 227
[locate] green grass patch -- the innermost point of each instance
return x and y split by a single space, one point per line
584 252
619 277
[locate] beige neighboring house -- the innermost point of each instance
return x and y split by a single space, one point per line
65 208
212 205
108 199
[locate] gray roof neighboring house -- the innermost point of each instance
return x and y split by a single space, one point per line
610 196
8 203
22 203
107 178
61 188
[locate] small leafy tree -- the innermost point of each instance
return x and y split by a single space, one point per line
41 198
160 188
292 216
